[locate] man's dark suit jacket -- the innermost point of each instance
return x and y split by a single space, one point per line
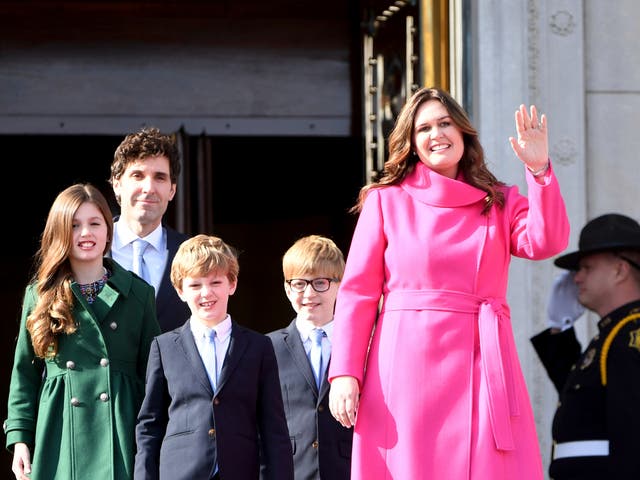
170 310
184 429
321 446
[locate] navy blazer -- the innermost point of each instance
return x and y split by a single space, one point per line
321 446
170 309
184 429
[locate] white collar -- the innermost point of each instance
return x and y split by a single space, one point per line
223 329
124 236
305 327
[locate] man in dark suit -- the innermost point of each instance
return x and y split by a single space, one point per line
595 427
144 175
313 268
212 407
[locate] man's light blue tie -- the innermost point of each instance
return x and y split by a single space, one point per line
139 267
211 362
315 356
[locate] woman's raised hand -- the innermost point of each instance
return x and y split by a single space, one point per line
532 144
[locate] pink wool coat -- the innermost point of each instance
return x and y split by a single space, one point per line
442 394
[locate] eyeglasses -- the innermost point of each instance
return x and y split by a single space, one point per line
318 284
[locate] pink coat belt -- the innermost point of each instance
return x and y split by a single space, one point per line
496 366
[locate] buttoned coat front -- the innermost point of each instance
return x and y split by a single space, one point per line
77 411
442 394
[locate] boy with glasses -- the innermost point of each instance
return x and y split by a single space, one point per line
313 268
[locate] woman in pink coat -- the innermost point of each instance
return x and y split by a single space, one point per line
424 362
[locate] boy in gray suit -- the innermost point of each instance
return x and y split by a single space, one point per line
313 268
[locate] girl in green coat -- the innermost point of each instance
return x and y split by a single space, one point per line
78 373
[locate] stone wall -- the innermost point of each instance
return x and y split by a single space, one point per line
579 62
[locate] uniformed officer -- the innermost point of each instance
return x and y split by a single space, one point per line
596 426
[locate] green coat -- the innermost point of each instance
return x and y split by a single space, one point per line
77 411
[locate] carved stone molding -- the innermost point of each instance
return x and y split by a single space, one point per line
564 151
533 50
562 23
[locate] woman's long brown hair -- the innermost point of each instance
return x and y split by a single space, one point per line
402 161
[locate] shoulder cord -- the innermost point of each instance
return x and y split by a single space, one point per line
607 345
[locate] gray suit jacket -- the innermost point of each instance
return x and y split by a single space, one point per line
321 446
184 429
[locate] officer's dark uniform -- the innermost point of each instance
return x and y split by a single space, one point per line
599 403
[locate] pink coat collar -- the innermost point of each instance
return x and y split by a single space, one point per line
429 187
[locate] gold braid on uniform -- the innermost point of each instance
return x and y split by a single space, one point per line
607 345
